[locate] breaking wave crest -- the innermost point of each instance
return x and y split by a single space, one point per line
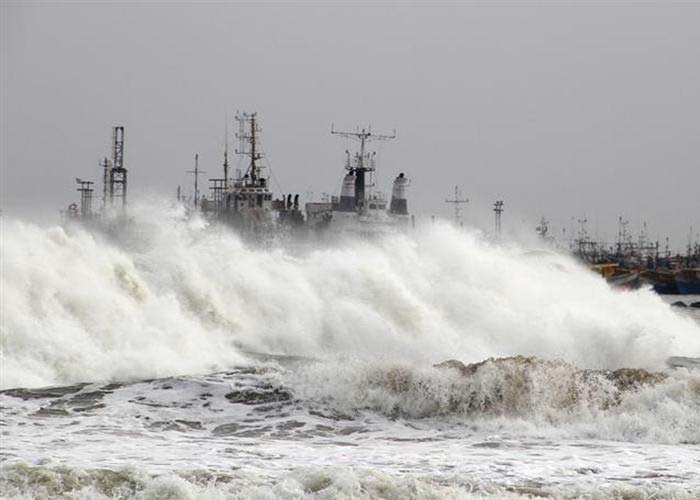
519 394
173 296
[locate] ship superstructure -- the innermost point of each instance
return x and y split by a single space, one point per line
361 209
114 187
246 201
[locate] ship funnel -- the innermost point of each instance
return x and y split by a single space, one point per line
399 204
347 194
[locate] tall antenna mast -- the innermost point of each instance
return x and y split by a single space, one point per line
226 154
690 241
249 142
196 173
582 239
106 166
457 201
582 232
117 174
643 236
498 209
624 239
85 189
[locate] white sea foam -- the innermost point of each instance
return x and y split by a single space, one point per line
22 482
173 296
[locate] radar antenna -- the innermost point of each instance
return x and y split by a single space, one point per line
117 172
458 201
363 162
226 154
363 136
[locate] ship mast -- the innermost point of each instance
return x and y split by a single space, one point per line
226 155
117 172
457 201
498 210
196 172
248 137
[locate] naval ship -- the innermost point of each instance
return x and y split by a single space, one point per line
245 201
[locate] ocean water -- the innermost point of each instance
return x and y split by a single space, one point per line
172 360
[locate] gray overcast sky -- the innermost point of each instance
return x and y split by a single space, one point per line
560 110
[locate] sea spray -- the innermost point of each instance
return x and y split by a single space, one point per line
172 295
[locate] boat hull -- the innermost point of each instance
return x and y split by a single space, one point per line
663 282
688 287
688 281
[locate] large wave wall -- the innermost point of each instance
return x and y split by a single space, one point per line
174 296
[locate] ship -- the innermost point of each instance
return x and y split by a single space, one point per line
617 276
247 203
111 216
630 264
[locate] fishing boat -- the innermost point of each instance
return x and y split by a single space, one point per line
618 276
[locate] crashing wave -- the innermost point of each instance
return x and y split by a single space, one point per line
177 297
623 404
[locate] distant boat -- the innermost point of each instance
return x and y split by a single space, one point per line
618 276
627 279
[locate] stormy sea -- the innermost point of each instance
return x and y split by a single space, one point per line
169 359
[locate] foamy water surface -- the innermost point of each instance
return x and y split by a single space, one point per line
182 363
